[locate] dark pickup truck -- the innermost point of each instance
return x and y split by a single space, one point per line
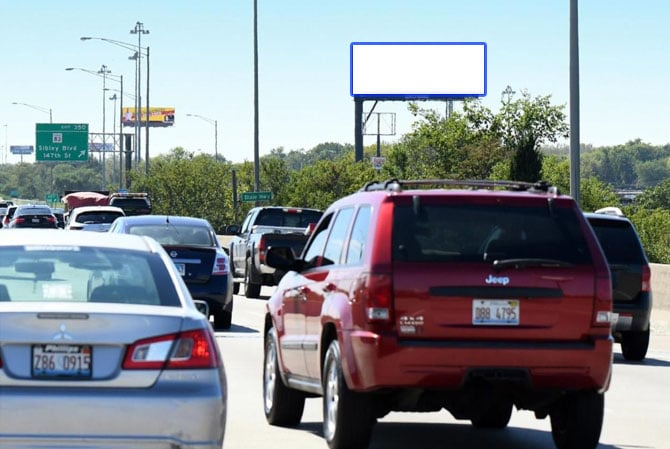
263 228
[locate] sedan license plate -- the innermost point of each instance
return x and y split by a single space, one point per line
58 361
35 220
181 268
495 312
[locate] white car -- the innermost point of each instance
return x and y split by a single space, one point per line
93 218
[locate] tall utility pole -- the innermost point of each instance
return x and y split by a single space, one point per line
114 98
256 158
104 72
139 30
574 102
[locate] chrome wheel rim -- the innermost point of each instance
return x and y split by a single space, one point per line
331 400
269 375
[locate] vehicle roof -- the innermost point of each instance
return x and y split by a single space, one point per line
378 196
80 209
162 219
58 237
603 216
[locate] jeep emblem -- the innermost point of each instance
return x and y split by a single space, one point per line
503 280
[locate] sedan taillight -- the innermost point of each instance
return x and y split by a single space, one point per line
185 350
220 267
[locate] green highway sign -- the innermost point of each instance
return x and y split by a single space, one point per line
51 197
256 196
56 142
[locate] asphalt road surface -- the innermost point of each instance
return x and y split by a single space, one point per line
636 414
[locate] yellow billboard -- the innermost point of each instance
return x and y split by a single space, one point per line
158 117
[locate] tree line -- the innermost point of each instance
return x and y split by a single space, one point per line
517 142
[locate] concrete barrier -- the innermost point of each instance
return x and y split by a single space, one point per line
660 286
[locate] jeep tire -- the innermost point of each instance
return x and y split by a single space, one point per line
497 416
577 420
283 406
348 417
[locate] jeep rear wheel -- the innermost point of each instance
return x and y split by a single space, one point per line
250 290
634 345
348 417
497 416
577 421
283 406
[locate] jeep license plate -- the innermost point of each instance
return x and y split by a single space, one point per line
58 360
495 312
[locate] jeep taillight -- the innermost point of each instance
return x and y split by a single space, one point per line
646 278
377 297
602 307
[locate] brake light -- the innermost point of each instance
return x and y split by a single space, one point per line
646 278
261 249
185 350
602 308
51 219
220 267
376 293
18 220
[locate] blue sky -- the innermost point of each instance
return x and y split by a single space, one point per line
202 63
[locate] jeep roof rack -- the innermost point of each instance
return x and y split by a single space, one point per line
396 185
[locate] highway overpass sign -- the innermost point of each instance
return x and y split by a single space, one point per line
61 142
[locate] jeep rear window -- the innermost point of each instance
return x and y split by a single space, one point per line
484 232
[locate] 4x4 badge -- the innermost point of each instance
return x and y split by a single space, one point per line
502 280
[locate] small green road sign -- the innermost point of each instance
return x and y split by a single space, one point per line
51 197
256 196
61 142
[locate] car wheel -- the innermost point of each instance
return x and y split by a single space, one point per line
283 406
577 421
250 290
497 416
348 416
634 345
223 319
236 288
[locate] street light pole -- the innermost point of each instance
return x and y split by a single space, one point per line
38 108
216 132
114 98
139 30
104 72
138 52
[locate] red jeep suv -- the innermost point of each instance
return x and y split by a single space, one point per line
470 296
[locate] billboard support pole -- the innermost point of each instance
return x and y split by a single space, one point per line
358 129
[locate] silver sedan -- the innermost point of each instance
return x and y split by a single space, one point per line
101 345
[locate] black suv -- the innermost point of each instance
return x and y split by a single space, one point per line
631 279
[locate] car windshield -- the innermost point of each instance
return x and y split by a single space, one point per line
81 274
171 234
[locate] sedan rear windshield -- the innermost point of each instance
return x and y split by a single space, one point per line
485 233
81 274
98 217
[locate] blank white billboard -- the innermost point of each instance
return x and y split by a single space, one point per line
418 69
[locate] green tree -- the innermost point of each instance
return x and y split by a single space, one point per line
653 226
523 124
181 183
